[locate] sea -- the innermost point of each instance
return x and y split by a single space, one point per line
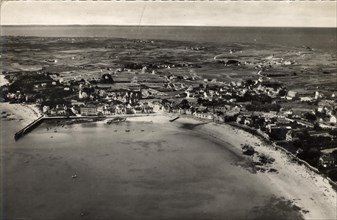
317 38
132 170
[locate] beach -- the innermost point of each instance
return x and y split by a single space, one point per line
22 113
149 168
314 194
3 81
293 181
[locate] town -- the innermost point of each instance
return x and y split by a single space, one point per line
301 121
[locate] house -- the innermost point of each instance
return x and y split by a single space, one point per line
29 98
285 113
327 161
147 109
52 112
282 121
77 103
306 99
89 110
240 119
189 112
182 111
74 110
248 122
317 95
129 109
104 109
138 110
45 108
221 109
333 119
120 109
291 95
61 110
219 118
203 115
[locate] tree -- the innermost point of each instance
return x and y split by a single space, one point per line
311 155
200 101
249 82
107 78
333 132
317 127
310 116
164 101
184 104
282 92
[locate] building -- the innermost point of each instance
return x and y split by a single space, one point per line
280 133
327 161
219 118
291 95
333 119
248 122
120 109
89 110
306 99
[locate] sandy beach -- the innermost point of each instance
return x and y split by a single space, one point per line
295 182
22 113
3 81
149 168
13 118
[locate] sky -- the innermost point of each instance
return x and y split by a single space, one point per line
228 13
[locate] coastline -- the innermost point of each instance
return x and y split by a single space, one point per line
321 204
24 114
295 182
309 190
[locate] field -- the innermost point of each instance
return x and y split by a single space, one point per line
76 58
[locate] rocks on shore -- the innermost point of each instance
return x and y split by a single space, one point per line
258 162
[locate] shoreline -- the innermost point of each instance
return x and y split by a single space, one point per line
23 113
315 193
315 196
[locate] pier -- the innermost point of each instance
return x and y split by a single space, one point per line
172 120
38 121
28 128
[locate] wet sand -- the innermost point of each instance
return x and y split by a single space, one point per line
148 168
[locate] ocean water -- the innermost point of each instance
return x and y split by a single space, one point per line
318 38
131 171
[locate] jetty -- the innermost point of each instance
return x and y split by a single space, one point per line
28 128
172 120
37 122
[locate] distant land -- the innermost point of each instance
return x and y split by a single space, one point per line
314 37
